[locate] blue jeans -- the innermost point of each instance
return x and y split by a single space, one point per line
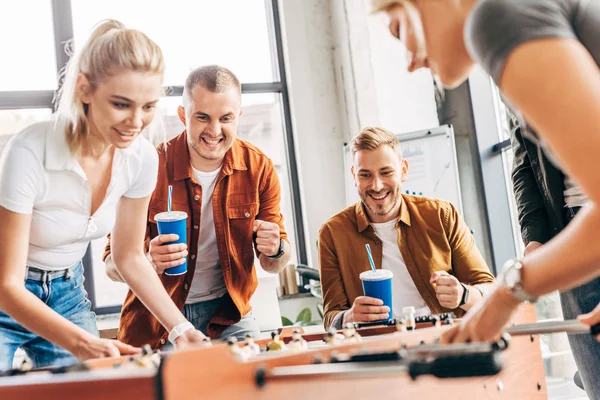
199 314
63 292
585 348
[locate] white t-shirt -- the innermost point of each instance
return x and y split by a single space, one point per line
404 290
208 281
40 177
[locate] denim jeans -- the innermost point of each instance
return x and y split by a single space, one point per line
63 292
199 314
585 348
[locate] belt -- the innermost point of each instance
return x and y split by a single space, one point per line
42 275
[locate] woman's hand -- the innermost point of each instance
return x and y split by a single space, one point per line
93 347
591 318
485 320
192 337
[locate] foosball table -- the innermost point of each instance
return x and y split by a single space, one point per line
380 361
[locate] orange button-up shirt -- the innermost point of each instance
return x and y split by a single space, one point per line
431 235
247 188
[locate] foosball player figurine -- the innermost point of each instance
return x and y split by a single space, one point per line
332 337
206 342
400 325
144 359
409 317
276 343
449 321
26 365
350 334
236 350
297 344
251 348
436 321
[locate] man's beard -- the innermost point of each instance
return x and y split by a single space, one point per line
204 156
378 209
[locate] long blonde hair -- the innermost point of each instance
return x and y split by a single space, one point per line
111 46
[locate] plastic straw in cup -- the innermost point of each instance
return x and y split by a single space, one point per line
370 257
169 198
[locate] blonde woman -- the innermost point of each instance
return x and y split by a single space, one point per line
66 182
544 55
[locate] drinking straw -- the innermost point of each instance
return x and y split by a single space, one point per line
169 198
370 257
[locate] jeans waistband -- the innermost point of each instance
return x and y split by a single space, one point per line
42 275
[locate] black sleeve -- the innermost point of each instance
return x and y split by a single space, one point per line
533 217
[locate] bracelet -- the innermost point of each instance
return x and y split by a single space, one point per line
179 330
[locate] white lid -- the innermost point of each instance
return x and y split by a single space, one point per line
376 275
408 310
170 216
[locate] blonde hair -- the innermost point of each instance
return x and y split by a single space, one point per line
215 78
414 18
372 138
111 46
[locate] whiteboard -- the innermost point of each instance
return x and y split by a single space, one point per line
432 166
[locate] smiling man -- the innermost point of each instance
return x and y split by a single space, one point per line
423 241
231 193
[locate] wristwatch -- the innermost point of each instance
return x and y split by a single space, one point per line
465 296
281 250
512 279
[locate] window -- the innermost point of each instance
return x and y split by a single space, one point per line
12 121
249 43
28 44
232 33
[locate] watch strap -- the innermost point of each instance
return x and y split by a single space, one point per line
179 330
280 252
465 296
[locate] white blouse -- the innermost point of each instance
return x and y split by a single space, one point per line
40 177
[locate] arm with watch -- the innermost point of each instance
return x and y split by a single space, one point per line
268 232
273 252
469 278
452 294
541 272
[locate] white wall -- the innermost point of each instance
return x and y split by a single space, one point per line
344 72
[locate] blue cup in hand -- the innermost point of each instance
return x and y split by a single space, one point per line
378 284
173 222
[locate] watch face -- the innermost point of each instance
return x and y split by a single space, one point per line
512 276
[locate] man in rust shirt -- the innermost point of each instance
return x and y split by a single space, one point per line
435 263
231 193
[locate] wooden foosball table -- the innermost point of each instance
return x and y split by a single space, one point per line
384 363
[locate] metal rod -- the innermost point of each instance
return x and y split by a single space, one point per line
538 328
342 370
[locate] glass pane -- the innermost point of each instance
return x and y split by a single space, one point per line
27 46
108 293
13 121
262 125
231 33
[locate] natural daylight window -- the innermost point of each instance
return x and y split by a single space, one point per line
191 34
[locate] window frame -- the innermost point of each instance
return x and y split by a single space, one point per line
63 32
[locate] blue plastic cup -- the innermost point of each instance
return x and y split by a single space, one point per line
173 222
378 284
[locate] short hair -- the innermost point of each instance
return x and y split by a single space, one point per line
111 46
215 78
372 138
